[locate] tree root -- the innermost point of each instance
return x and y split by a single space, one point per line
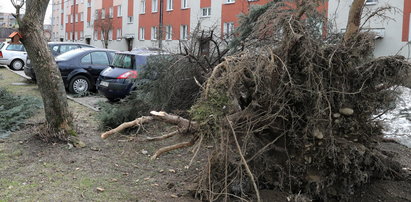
184 126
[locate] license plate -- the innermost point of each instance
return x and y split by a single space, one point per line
104 83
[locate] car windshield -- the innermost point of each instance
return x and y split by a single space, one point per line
1 45
68 55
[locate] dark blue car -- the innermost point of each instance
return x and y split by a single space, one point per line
80 68
118 80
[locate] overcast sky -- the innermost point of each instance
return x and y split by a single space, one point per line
7 7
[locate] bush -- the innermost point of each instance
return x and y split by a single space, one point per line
14 110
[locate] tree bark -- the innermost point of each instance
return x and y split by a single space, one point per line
354 19
59 119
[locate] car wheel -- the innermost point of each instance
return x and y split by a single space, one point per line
17 65
79 84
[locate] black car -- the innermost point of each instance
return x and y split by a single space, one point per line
80 68
117 81
56 48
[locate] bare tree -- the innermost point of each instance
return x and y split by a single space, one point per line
59 119
104 24
354 18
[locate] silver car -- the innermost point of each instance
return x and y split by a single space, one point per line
13 55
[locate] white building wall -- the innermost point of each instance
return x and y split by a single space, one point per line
391 42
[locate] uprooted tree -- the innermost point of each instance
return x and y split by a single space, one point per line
59 119
291 112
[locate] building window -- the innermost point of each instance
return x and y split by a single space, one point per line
371 2
88 24
110 34
95 36
103 13
153 33
66 18
119 11
154 5
75 35
81 35
88 4
205 12
143 6
110 12
184 32
169 32
82 16
142 33
96 14
169 5
119 34
184 3
228 29
130 19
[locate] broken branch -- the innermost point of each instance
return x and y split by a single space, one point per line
173 147
163 136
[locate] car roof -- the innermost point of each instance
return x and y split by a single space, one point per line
147 49
92 49
67 43
147 53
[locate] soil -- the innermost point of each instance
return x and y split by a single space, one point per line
119 169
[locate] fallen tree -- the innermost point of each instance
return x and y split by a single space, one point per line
294 113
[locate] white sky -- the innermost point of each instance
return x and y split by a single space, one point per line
7 7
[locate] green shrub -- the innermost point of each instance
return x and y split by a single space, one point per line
14 110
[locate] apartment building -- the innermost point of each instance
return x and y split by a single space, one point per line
393 34
7 20
135 23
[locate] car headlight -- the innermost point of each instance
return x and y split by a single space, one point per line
28 61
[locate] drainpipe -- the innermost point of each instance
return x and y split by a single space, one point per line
74 20
160 26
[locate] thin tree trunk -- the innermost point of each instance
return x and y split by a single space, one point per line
59 119
354 19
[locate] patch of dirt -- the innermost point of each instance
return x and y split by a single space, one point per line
33 170
105 170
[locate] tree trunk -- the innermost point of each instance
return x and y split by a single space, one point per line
354 19
59 119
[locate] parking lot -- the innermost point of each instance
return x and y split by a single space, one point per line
89 101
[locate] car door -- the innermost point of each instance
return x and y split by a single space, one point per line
15 51
95 62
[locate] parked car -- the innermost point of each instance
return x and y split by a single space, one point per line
147 49
81 67
56 48
13 55
118 80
